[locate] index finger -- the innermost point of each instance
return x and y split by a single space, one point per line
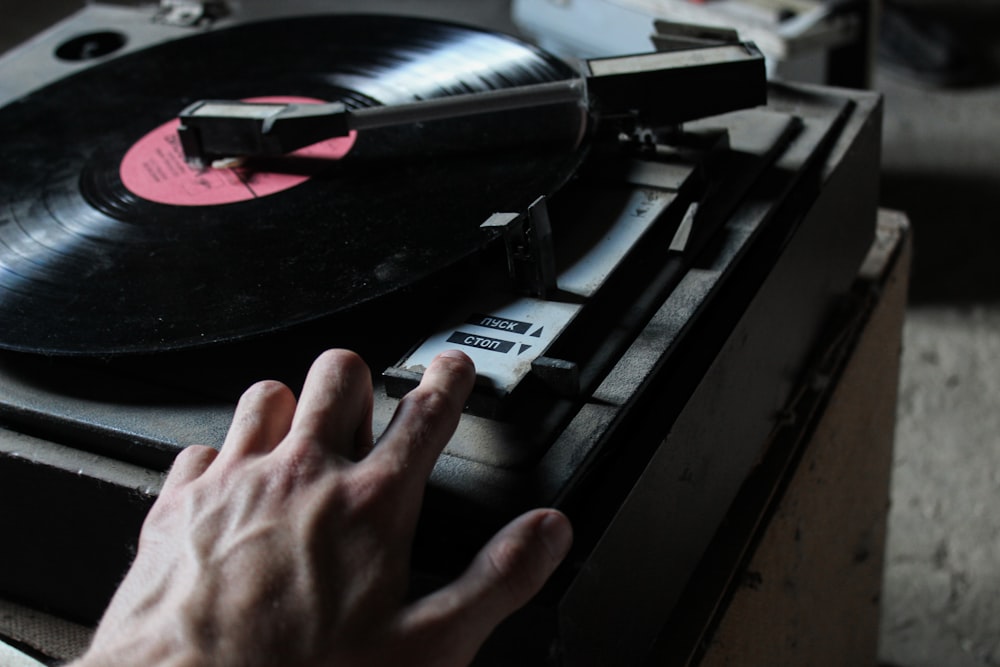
335 407
426 417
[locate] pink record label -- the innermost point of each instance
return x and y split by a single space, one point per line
154 168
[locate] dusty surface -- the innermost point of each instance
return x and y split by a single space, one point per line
941 597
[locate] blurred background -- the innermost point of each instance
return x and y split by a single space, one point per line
937 67
941 165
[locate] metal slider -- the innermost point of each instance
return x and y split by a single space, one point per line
682 236
530 252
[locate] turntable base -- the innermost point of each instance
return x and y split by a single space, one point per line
794 577
716 255
805 587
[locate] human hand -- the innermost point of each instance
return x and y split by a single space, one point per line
291 545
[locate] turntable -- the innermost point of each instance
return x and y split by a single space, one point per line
639 267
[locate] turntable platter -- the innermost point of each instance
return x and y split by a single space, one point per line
108 247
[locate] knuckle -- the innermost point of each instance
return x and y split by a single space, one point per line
300 460
429 403
194 454
191 459
373 486
509 564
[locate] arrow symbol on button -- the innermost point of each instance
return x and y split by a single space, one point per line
523 348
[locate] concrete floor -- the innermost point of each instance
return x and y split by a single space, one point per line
941 600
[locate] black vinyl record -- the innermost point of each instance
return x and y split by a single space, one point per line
109 244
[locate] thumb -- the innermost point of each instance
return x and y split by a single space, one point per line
504 575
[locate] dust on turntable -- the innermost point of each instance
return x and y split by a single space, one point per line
676 252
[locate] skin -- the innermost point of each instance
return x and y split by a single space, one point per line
291 545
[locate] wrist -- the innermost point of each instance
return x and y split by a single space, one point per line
132 658
142 648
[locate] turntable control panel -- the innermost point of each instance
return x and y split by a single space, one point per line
509 339
502 342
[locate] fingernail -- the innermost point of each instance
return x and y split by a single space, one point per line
456 354
557 534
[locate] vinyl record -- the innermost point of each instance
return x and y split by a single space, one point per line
110 244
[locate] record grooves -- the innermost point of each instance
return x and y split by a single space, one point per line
90 267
